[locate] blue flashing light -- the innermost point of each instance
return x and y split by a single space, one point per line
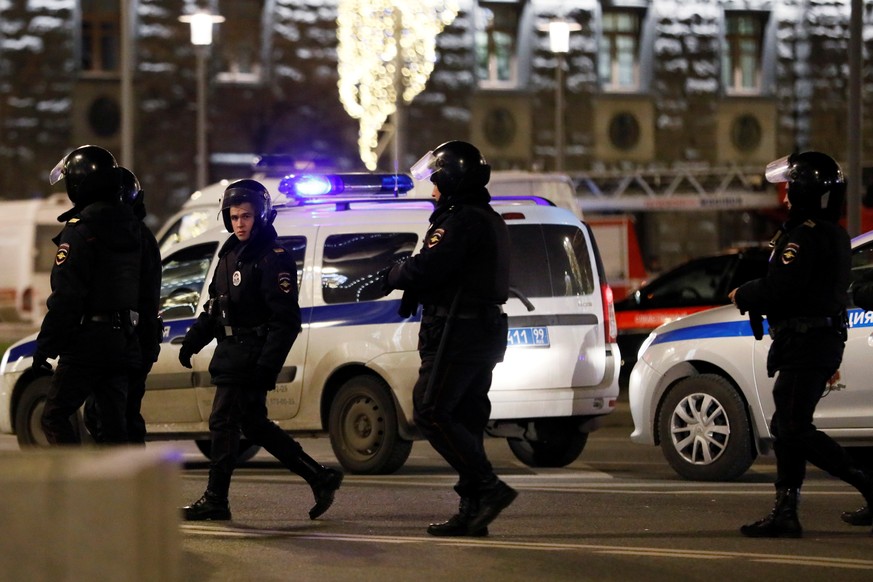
320 188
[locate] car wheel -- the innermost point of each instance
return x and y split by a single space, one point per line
247 450
364 430
704 429
558 444
28 413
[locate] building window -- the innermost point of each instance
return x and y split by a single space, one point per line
741 62
101 36
619 58
497 44
238 46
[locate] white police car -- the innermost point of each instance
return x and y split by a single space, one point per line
700 388
352 369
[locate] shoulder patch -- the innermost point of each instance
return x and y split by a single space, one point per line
74 220
62 254
435 237
285 284
790 252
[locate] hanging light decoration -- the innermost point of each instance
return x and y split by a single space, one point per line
386 52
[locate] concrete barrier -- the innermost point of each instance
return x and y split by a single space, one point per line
69 514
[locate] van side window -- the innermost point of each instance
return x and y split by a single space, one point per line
353 263
183 276
550 260
296 245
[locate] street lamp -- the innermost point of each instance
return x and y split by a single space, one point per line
201 37
559 43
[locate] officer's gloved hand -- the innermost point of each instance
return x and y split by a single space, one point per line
384 284
40 363
185 353
264 378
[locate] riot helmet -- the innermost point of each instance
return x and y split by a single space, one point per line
453 167
250 191
815 182
131 192
75 169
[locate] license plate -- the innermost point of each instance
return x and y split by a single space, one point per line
528 336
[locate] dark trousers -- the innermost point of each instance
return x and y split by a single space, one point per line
237 408
136 425
796 394
454 419
71 385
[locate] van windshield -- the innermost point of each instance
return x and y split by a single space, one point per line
550 260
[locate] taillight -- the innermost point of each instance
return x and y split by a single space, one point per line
609 327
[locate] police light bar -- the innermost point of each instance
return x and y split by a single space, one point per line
320 188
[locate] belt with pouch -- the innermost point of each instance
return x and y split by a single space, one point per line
126 317
805 324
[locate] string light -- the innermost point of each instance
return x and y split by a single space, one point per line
385 47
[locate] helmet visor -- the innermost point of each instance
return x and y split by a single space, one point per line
425 167
57 173
778 170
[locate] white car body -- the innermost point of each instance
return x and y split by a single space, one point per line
700 388
536 391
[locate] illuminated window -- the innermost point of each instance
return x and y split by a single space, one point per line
497 44
101 36
619 58
741 61
238 42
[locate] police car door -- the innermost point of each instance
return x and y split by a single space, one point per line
170 404
352 323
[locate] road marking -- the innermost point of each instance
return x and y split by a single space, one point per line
230 531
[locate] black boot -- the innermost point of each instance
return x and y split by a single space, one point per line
861 516
323 488
459 524
863 482
323 480
209 507
782 521
492 501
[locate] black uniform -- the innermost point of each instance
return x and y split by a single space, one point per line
149 332
465 259
91 319
255 316
804 297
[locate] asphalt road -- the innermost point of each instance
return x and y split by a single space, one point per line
617 513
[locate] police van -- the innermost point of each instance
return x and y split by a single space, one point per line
351 371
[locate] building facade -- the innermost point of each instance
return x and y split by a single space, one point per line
644 87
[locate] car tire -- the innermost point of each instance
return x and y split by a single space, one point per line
558 444
28 415
704 429
247 450
364 431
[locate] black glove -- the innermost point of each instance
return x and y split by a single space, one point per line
264 378
40 363
385 286
185 353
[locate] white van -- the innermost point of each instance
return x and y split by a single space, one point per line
351 371
27 254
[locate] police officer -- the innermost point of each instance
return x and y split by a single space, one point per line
461 277
150 328
804 296
92 310
254 314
